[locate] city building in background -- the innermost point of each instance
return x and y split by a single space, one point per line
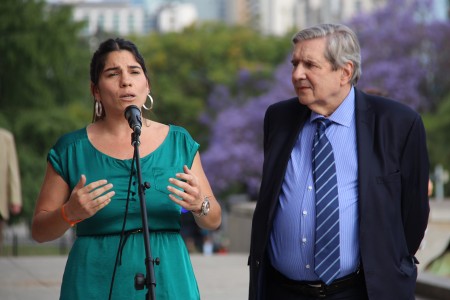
175 17
271 17
121 17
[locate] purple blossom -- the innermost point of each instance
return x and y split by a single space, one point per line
235 156
404 52
400 54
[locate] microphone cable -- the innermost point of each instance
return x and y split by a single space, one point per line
122 233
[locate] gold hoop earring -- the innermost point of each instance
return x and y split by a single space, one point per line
151 103
98 109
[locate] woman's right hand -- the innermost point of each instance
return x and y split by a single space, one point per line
86 200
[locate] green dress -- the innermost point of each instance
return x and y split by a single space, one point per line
90 265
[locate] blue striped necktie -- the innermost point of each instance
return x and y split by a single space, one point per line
326 256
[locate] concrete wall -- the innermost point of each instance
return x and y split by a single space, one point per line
239 226
436 241
437 236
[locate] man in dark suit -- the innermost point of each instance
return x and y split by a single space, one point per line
380 165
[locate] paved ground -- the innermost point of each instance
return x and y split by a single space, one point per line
220 277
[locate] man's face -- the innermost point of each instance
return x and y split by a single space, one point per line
316 84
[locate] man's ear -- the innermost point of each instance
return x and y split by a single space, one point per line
347 73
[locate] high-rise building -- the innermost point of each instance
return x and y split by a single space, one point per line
274 17
175 17
121 17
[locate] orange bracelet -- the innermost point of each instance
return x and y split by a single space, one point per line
64 216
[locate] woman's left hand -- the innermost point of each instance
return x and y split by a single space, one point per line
190 196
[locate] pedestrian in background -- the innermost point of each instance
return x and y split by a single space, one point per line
343 202
10 189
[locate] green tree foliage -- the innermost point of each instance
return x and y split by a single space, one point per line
44 76
41 55
44 87
185 67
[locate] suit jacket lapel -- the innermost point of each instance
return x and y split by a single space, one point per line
364 138
293 120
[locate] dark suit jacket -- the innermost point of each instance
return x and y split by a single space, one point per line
392 187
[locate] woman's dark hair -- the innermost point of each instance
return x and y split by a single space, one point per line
99 59
108 46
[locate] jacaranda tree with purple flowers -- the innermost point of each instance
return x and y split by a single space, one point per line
404 53
233 161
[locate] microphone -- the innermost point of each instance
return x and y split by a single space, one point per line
133 115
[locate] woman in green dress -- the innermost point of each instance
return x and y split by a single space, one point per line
91 182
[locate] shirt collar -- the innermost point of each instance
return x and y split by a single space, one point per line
343 115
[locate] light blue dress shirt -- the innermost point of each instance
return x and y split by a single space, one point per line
291 249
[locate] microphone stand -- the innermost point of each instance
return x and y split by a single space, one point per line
140 281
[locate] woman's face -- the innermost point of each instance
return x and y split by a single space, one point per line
121 83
